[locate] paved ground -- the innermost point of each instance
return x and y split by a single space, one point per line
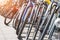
7 32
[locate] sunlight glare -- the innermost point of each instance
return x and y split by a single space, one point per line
3 2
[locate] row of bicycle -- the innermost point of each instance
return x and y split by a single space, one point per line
40 18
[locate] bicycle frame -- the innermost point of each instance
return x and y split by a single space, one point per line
23 24
47 25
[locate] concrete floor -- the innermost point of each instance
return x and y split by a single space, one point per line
6 32
9 33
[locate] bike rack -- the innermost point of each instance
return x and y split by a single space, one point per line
43 21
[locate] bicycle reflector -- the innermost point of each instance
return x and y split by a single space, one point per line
47 1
